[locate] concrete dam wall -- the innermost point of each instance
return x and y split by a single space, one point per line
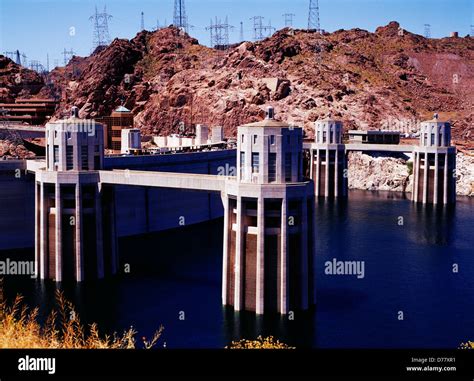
138 210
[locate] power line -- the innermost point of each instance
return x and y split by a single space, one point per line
313 16
288 19
101 35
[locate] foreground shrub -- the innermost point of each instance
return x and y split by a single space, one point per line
261 343
19 328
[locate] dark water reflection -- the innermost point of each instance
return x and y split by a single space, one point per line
408 268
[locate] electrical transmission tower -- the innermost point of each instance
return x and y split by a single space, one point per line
313 16
17 57
241 31
471 33
180 20
142 23
67 54
101 35
288 19
10 55
269 28
427 30
37 66
220 33
158 26
259 28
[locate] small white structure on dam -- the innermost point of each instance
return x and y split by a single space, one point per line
201 139
202 134
268 222
131 141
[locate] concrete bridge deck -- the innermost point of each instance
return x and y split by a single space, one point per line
379 147
372 147
186 181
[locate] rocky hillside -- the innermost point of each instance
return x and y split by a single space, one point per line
367 79
17 81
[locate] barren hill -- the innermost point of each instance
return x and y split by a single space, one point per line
367 79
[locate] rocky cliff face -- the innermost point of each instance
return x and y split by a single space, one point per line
378 173
17 81
369 80
465 175
385 173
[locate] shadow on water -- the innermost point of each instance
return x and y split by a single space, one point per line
433 224
295 329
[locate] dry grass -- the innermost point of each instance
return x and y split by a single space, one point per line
261 343
19 328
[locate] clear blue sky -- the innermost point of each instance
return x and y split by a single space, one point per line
38 27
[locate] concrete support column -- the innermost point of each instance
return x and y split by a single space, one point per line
416 174
58 234
318 176
238 284
99 232
452 181
425 179
37 230
345 174
445 180
284 305
225 259
326 175
113 239
259 308
304 254
313 254
79 260
436 168
43 244
311 163
336 173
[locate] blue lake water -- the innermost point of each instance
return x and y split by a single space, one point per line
409 254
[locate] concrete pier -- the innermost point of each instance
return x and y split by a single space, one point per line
434 164
70 204
268 234
328 162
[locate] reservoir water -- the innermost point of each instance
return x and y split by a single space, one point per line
417 290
